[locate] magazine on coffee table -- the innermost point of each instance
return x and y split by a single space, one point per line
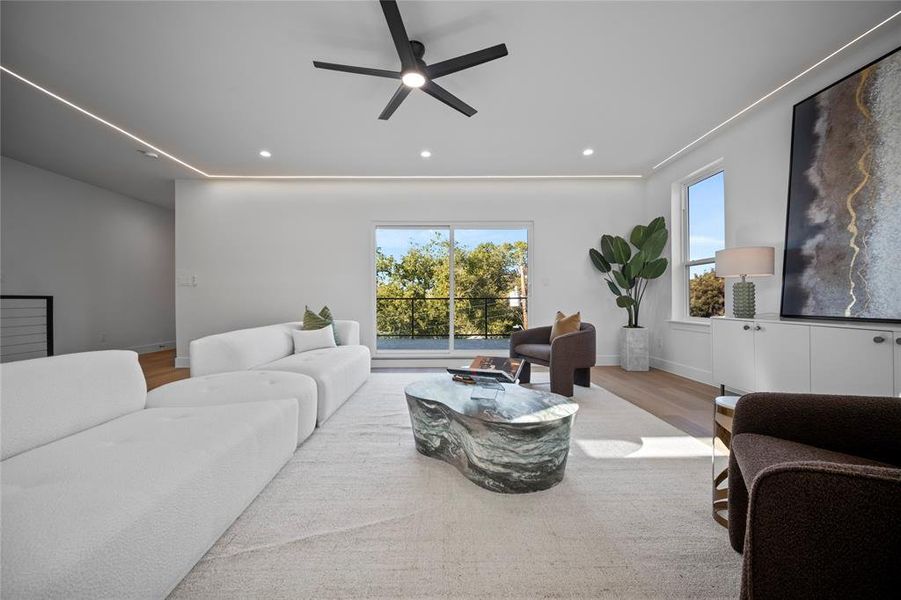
498 368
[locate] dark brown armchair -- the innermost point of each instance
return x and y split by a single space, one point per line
823 517
570 356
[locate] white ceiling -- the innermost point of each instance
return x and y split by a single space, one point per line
214 82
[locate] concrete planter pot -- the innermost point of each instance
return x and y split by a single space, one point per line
633 349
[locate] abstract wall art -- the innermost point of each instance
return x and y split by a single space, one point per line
843 231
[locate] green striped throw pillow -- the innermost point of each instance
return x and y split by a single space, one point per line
313 321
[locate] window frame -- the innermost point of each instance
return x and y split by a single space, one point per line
451 226
681 297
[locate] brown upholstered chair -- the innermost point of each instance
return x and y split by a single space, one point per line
570 356
823 517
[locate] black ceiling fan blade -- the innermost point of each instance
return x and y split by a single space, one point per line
358 70
398 97
398 34
452 65
436 91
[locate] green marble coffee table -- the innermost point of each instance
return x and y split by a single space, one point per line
516 443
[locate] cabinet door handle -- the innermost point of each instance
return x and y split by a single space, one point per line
746 327
757 328
898 341
878 339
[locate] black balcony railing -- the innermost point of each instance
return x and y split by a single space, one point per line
478 317
26 327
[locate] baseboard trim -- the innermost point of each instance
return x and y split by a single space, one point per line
381 362
439 362
687 371
144 349
607 360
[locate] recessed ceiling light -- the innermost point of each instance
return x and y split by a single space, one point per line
149 153
587 152
172 157
265 154
425 154
413 79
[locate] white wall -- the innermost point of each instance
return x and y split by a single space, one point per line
107 259
262 250
755 152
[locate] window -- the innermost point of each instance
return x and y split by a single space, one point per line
431 299
704 234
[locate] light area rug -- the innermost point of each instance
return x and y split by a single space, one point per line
359 513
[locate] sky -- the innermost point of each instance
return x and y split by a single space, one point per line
706 219
395 242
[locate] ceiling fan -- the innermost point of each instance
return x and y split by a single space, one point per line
414 72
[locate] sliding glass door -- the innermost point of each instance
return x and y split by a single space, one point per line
490 286
412 307
429 299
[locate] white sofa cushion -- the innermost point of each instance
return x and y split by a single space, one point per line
46 399
313 339
240 350
338 372
125 509
243 386
347 333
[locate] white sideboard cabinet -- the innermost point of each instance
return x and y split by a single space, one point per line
898 363
769 355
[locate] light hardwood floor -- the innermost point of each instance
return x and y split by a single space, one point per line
159 368
681 402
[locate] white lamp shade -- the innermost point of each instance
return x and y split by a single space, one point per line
752 261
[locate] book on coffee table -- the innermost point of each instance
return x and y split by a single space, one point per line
498 368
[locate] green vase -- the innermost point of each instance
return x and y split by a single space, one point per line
743 300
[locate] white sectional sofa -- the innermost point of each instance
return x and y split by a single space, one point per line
338 372
104 498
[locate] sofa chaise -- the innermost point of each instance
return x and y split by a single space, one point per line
337 372
239 387
104 498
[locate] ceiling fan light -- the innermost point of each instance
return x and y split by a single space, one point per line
413 79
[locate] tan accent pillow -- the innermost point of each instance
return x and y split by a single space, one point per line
564 324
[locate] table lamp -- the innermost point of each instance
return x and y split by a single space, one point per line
751 261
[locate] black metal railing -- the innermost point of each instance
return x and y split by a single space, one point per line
26 327
429 317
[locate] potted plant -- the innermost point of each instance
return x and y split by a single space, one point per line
627 274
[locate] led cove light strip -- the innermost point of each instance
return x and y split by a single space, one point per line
758 101
314 177
102 120
395 177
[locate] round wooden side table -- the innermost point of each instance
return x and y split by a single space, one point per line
724 411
